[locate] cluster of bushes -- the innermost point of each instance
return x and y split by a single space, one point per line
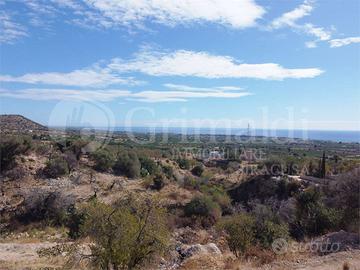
313 217
125 234
203 209
128 164
246 230
103 159
56 166
10 147
263 187
184 163
210 206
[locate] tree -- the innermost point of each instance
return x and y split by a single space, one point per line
322 168
125 234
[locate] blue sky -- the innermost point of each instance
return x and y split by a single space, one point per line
273 64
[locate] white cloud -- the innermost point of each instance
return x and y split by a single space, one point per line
129 13
318 32
339 42
289 18
180 87
65 94
91 77
158 96
203 64
311 44
10 31
178 63
234 13
112 94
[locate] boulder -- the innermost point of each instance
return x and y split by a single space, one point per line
338 241
187 251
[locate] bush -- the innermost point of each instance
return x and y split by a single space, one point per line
197 170
71 160
126 234
56 166
17 173
313 217
287 189
10 147
240 232
127 164
49 208
268 231
203 207
168 171
191 183
219 195
346 197
103 160
158 182
149 166
184 163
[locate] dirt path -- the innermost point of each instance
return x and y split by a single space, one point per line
21 256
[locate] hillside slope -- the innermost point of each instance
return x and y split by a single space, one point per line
19 123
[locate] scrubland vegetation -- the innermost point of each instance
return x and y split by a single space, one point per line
242 201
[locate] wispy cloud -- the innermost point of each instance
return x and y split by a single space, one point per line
234 13
129 14
10 31
181 87
291 18
339 42
205 65
156 63
94 76
112 94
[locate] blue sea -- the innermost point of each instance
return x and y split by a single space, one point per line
325 135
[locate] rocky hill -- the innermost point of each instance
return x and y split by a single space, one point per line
18 123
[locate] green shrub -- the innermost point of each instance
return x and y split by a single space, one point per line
158 182
149 166
127 164
240 232
168 171
204 207
126 234
286 189
268 231
219 195
103 160
56 166
191 183
184 163
10 147
197 170
312 216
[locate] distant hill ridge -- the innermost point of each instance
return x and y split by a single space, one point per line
19 123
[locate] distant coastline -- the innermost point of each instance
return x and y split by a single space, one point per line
323 135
